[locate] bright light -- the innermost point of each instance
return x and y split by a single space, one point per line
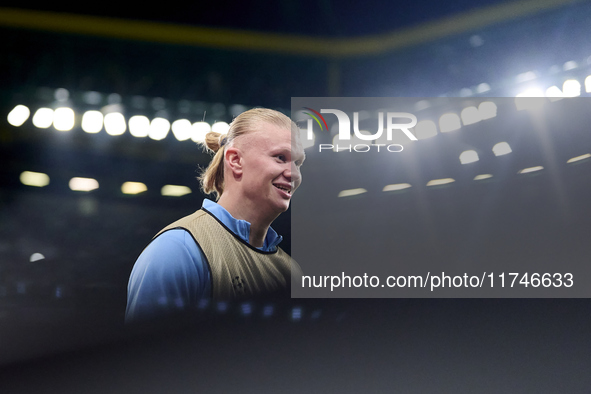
530 169
398 186
63 119
133 188
425 129
437 182
351 192
449 122
571 88
199 131
554 93
175 190
526 76
487 110
36 257
570 65
37 179
468 156
526 100
482 88
115 123
533 92
220 127
470 115
159 129
482 176
61 94
18 115
588 84
578 158
139 126
92 121
83 184
182 129
502 148
43 118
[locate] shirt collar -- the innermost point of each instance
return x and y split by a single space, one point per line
241 227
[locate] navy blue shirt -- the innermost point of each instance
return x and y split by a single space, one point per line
172 272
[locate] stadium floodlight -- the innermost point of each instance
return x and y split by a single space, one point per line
482 176
220 127
139 126
571 88
482 88
133 188
397 186
468 156
530 169
199 131
525 77
92 122
182 129
351 192
37 179
588 84
570 65
470 115
18 115
159 128
579 158
487 109
554 93
115 123
425 129
174 190
63 119
502 148
529 100
449 122
439 182
36 257
43 118
83 184
61 95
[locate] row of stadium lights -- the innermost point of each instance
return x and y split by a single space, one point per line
470 115
92 122
114 123
486 110
444 181
39 179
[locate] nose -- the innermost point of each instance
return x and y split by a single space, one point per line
294 176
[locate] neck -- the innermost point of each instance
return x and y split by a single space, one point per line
259 225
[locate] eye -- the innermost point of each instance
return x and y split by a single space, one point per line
281 157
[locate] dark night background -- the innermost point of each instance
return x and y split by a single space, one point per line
61 327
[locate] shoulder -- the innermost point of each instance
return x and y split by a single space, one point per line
170 250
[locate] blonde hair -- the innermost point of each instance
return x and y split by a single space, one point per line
212 178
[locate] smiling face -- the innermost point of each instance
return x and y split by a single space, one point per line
271 168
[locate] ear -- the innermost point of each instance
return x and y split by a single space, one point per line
233 159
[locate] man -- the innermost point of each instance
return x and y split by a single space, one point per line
227 250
